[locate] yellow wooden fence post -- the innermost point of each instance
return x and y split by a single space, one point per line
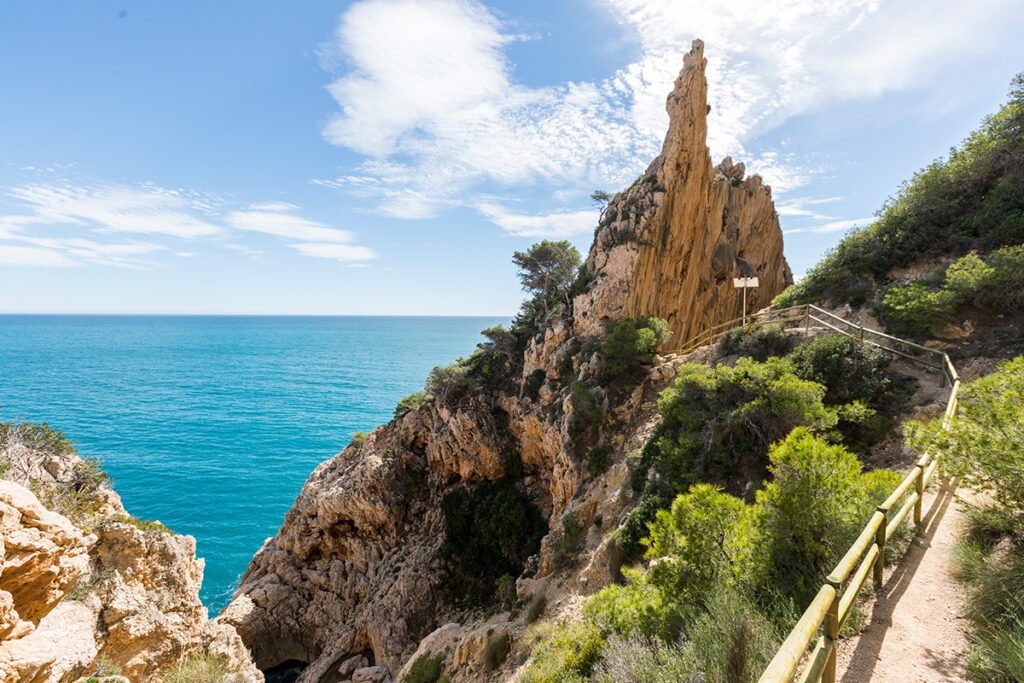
828 674
920 495
880 542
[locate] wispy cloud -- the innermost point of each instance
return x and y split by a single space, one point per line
308 237
61 224
833 226
804 206
430 99
558 224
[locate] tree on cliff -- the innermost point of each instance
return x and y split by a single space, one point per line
547 270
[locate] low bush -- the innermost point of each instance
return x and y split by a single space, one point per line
535 609
758 343
496 651
141 524
196 669
358 440
569 654
916 308
586 413
425 669
413 401
490 530
532 384
599 459
629 346
568 544
35 436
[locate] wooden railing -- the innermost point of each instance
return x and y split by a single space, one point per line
835 599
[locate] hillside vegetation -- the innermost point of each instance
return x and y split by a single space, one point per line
971 200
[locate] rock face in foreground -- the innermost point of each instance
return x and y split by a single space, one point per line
672 243
356 582
122 597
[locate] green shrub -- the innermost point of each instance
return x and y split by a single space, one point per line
972 199
496 651
533 383
413 401
358 440
196 669
536 607
983 445
599 459
426 669
806 517
586 413
568 544
696 541
570 654
491 529
106 667
628 348
850 370
141 524
36 436
720 421
916 308
759 342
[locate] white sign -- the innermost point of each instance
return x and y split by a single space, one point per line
744 282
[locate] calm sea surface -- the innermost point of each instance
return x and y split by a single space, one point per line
212 424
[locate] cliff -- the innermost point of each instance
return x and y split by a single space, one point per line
101 593
360 579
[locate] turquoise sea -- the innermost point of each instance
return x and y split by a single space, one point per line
211 424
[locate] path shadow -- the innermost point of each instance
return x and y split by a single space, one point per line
870 642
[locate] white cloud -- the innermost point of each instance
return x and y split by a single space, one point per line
802 206
143 209
333 250
833 226
33 256
62 224
285 225
560 224
430 98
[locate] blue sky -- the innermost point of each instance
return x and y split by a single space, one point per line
387 156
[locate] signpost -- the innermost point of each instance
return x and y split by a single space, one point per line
744 283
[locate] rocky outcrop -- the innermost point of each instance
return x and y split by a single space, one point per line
356 577
41 554
124 598
671 244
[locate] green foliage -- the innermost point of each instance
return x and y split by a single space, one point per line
747 407
758 343
983 445
105 667
695 541
196 669
972 199
491 529
496 651
586 413
547 270
425 669
535 609
916 308
599 459
568 544
570 654
358 440
413 401
994 283
850 369
533 383
35 436
808 515
141 524
629 346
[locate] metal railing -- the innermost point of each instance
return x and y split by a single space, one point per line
836 597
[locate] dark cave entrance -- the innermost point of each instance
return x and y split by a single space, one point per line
285 672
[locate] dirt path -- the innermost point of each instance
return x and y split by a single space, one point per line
914 630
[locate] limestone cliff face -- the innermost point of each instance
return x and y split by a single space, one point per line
670 245
117 596
356 582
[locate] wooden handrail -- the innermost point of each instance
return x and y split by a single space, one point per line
833 603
